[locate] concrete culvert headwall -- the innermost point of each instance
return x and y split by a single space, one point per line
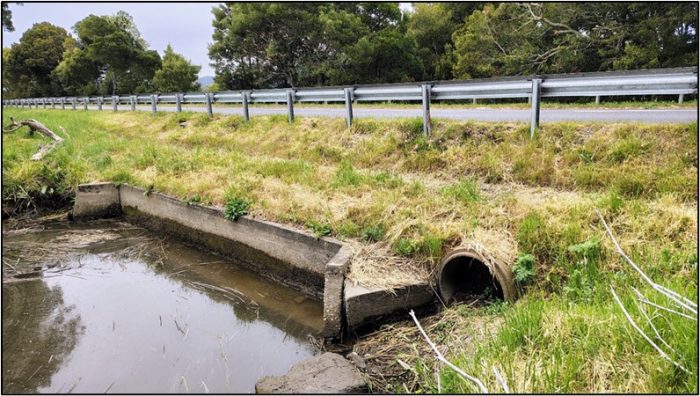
470 271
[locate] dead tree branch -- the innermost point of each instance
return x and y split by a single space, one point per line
441 358
668 293
36 126
640 331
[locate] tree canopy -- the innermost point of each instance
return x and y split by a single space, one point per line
272 45
176 74
293 44
528 38
30 61
108 57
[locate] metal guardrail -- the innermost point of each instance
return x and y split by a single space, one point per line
676 81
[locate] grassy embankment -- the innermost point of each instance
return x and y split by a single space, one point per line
402 200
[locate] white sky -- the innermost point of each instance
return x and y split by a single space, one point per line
186 26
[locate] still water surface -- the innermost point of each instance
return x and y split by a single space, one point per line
120 309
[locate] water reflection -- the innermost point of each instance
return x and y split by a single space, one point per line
136 313
38 331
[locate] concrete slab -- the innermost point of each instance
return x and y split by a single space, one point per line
365 306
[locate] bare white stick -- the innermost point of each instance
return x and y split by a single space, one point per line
643 299
500 379
671 295
687 301
646 337
668 309
658 336
441 358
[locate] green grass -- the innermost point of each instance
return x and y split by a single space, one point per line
407 199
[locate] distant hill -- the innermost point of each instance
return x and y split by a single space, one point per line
205 81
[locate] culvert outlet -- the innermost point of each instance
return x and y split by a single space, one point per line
470 271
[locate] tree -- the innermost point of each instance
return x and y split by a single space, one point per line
7 18
431 25
109 57
367 43
528 38
31 60
263 44
176 74
285 45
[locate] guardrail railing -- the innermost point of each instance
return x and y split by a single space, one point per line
676 81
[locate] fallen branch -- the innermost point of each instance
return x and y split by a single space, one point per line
649 321
36 126
441 358
646 337
670 294
500 379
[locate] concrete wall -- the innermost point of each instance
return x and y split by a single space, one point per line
316 266
96 201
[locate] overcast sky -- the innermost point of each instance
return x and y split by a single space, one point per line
186 26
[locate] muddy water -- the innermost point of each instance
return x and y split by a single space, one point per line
109 307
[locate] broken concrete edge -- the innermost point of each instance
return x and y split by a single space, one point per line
262 245
369 307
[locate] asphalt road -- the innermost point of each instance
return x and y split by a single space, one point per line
477 114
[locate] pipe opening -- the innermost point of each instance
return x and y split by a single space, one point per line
466 278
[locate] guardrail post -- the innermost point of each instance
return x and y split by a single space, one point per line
290 106
53 103
86 102
115 102
178 103
73 102
348 105
535 112
99 103
246 113
43 103
680 98
425 91
132 102
207 99
63 103
154 107
597 99
473 100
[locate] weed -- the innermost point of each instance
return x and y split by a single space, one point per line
466 191
195 199
373 233
235 208
320 228
405 247
347 176
524 269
